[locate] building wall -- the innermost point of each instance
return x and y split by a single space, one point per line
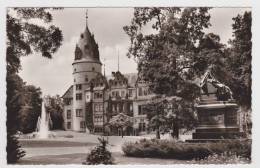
83 73
68 119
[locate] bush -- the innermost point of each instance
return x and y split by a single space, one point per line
186 151
224 159
100 154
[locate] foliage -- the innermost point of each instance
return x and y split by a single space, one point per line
165 57
169 114
23 38
13 149
100 154
30 108
186 151
155 110
55 108
223 159
239 58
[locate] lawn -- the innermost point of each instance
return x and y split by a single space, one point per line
50 143
74 150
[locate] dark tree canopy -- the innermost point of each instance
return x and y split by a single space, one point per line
25 37
165 58
239 59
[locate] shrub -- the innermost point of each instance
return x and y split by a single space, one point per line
186 151
224 159
100 154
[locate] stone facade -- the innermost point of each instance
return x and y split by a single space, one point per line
94 99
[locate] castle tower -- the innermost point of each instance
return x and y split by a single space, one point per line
86 66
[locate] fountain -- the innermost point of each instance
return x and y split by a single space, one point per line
43 124
42 127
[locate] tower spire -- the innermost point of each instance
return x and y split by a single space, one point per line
87 17
104 67
118 60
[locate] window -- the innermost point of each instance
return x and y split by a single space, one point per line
82 124
81 35
93 68
122 93
79 96
142 127
75 69
130 92
140 92
68 125
78 87
67 101
98 118
145 92
74 80
98 107
101 107
86 78
113 94
141 110
131 107
68 114
117 93
79 113
98 95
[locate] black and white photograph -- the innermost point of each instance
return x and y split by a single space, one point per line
128 85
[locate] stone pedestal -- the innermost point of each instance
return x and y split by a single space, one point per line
217 120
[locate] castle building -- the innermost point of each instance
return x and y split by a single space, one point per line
94 99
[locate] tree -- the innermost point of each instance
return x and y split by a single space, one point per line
171 57
55 109
239 57
166 57
170 114
156 114
31 108
24 38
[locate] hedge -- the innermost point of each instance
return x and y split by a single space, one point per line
186 151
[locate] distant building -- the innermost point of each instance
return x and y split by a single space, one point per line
93 99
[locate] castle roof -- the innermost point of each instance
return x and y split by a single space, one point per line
87 49
68 93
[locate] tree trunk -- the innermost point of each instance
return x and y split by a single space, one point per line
175 130
158 133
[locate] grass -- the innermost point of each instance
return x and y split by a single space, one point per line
46 143
120 159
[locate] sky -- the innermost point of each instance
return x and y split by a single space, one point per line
54 76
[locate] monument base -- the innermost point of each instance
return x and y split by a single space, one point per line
216 134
